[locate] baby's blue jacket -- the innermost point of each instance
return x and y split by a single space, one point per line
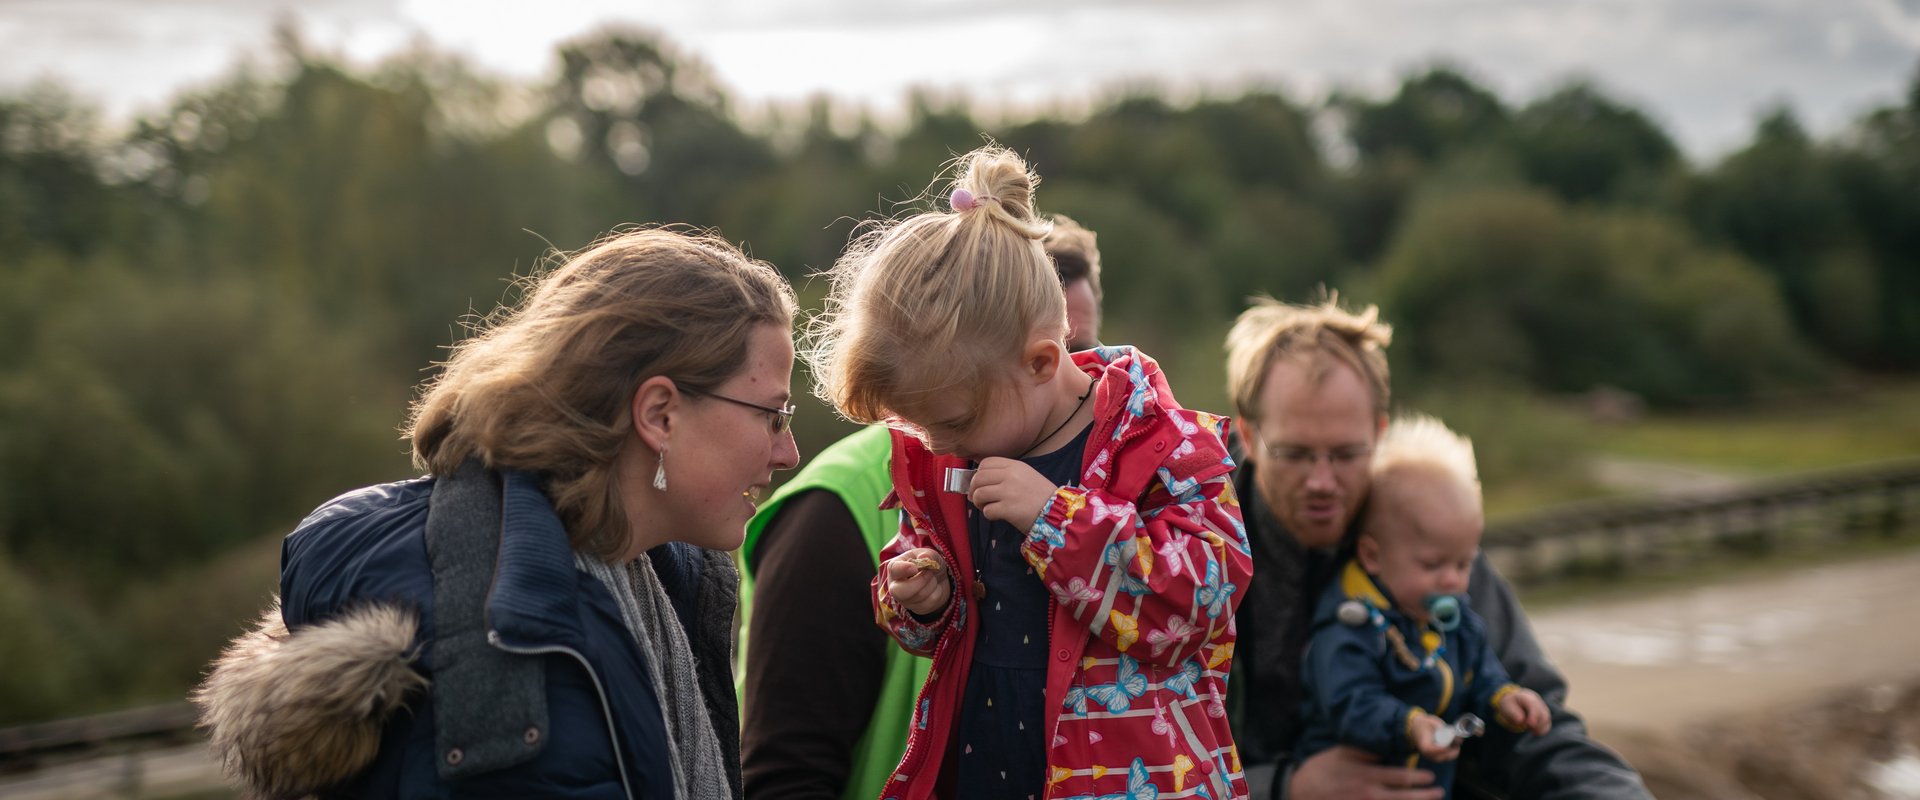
1360 691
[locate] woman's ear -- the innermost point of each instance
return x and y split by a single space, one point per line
1042 358
654 404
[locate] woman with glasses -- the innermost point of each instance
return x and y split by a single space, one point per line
549 611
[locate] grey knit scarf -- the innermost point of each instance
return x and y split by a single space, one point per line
699 765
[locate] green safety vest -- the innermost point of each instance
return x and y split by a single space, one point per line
855 469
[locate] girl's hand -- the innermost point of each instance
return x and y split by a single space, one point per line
1424 727
1524 708
918 579
1010 491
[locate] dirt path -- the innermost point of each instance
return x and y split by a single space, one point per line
1660 662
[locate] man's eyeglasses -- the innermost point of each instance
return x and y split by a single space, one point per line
1305 458
782 417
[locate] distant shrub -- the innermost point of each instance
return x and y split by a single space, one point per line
1505 283
50 649
146 423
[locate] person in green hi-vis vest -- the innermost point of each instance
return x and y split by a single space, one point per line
825 695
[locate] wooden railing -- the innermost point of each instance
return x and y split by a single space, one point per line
26 746
1804 512
151 752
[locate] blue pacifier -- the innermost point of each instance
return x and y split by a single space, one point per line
1445 611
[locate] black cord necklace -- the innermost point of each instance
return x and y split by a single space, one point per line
978 532
1063 423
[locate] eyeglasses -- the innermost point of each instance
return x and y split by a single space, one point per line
782 417
1304 458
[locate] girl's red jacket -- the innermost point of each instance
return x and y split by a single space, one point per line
1147 560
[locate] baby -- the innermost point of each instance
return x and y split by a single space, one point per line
1396 659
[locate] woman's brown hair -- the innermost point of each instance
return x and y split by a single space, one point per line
546 385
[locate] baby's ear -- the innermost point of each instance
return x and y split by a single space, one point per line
1367 549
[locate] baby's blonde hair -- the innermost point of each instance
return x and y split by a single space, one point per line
1419 446
940 301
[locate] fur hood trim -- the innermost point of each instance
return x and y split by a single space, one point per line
289 715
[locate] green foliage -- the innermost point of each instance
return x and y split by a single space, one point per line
166 628
51 194
1875 170
1433 114
1836 225
1274 243
657 119
149 422
1722 314
1160 275
1367 205
45 645
1586 146
72 651
1503 282
1476 283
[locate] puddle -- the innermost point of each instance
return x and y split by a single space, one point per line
1780 623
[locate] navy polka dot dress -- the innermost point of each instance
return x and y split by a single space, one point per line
1001 749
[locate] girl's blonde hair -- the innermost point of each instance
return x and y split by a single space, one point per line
546 386
941 301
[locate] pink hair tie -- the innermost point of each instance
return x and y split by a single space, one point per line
962 200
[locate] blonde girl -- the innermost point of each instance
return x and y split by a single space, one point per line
1071 550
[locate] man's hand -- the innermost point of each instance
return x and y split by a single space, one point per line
1348 773
1010 491
1423 728
918 579
1524 708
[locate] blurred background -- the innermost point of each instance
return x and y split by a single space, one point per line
1660 259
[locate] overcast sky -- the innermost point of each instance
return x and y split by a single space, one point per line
1703 68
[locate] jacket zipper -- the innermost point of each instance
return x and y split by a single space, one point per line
606 708
1053 731
945 646
494 638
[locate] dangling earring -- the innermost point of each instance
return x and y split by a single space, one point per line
660 472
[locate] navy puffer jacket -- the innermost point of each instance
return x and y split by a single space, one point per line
357 570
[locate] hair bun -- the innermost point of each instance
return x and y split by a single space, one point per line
995 175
